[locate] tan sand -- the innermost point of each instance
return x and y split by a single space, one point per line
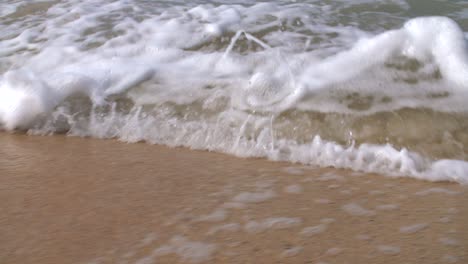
72 200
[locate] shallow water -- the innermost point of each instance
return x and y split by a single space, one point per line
100 201
375 86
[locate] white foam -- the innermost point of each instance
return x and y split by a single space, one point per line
421 38
346 192
314 230
327 220
230 227
363 237
272 223
376 192
357 210
149 238
254 197
449 259
387 207
188 251
413 228
388 250
322 201
331 177
234 205
334 251
448 241
293 170
293 189
436 190
216 216
291 252
445 219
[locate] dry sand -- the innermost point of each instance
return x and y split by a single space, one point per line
73 200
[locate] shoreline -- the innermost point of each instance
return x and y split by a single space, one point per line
83 200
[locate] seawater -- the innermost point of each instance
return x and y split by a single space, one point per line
373 86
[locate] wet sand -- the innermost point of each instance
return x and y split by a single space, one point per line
73 200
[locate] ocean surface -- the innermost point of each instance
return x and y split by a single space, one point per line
373 86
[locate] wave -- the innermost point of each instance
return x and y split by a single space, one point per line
224 78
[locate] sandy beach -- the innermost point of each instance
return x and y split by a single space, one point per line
374 86
75 200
